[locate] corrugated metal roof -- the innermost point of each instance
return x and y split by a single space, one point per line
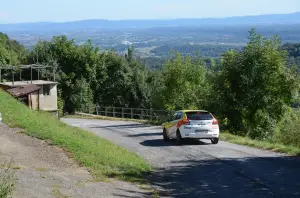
23 90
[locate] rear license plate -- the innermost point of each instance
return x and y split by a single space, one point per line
201 131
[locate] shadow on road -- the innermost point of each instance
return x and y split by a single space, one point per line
145 134
138 195
123 126
162 143
243 177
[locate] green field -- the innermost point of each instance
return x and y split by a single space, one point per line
101 157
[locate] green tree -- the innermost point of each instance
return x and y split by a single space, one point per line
181 85
11 52
82 97
121 83
73 62
255 86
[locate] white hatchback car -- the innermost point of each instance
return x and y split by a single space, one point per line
192 124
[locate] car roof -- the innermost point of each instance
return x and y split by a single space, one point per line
185 111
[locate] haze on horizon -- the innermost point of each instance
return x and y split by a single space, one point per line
19 11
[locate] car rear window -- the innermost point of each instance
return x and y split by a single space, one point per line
199 116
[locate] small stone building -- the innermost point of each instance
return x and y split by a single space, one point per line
37 94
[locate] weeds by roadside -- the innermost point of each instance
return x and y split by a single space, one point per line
7 180
276 147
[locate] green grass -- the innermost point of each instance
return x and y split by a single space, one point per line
101 157
225 136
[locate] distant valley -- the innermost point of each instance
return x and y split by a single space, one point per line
154 39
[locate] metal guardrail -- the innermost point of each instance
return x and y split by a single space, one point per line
131 113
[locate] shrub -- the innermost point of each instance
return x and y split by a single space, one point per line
288 130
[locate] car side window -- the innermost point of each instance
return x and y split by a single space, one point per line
174 116
178 116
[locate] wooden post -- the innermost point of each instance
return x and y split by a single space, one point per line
142 114
38 73
131 113
97 110
53 75
20 74
13 77
150 112
31 73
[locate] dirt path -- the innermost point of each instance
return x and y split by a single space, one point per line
46 171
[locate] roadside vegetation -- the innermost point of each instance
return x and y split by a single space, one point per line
253 91
101 157
7 180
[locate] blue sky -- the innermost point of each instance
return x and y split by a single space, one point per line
14 11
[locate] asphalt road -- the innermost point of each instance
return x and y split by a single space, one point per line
200 169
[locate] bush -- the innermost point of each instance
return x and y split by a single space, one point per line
288 130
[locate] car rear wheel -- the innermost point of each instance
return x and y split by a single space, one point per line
166 138
178 138
215 140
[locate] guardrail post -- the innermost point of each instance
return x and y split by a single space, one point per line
131 113
114 112
105 113
122 112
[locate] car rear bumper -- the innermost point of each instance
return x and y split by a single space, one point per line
199 136
191 133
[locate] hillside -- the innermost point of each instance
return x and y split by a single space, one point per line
101 157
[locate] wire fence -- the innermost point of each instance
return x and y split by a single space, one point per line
131 113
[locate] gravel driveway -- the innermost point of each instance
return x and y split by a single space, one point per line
200 169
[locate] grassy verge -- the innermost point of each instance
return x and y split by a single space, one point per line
103 158
7 180
260 144
224 136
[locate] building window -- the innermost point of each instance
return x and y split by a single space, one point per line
46 90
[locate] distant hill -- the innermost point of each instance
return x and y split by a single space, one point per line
128 24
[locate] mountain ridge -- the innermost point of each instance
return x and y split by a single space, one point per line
292 18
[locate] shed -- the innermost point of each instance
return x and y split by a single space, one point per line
37 94
28 94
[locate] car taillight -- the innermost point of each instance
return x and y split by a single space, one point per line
215 122
183 122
